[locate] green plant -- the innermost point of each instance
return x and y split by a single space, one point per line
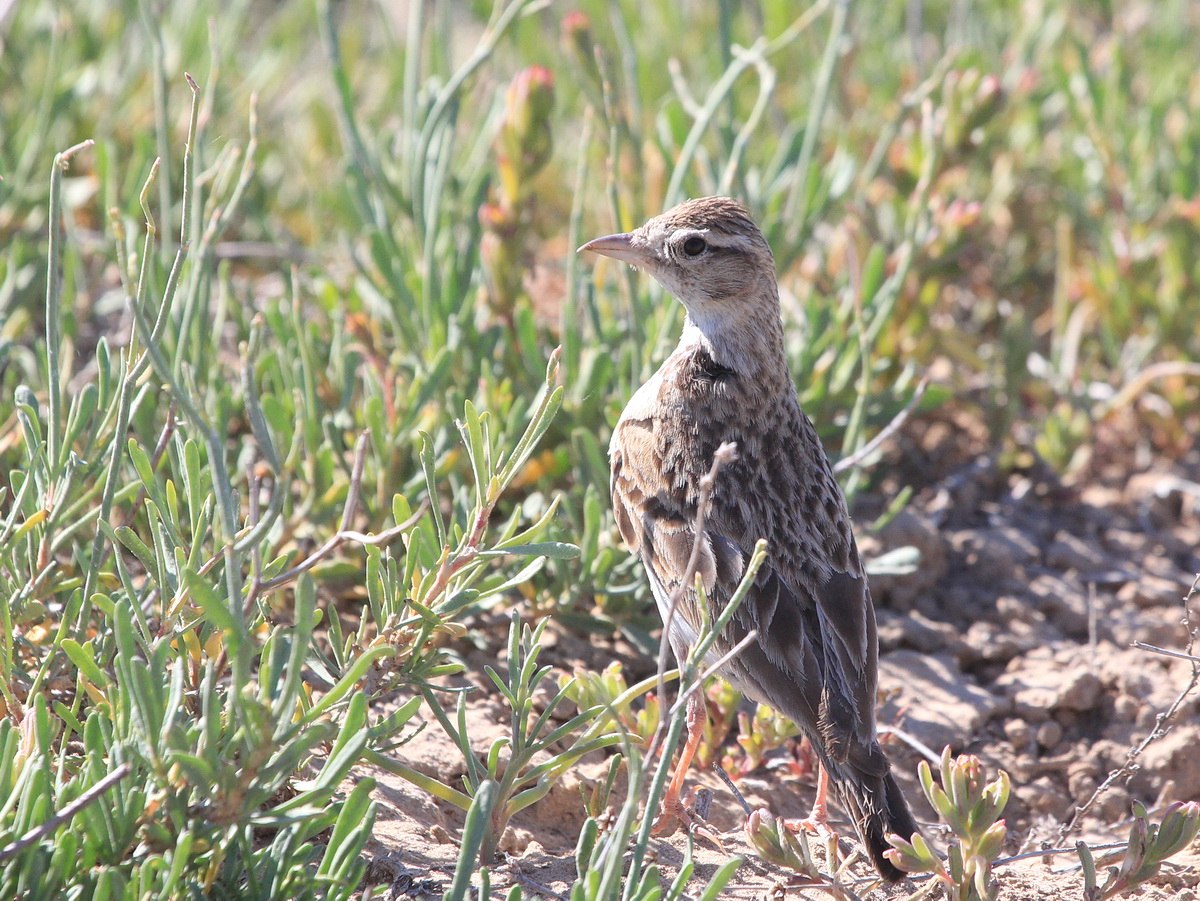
608 690
1150 845
509 764
155 722
162 630
971 809
760 734
603 873
476 829
230 371
523 147
779 845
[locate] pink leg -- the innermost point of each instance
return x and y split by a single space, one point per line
672 813
816 822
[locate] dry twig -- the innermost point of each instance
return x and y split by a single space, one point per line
856 458
39 832
1162 723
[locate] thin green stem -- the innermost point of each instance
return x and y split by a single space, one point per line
53 307
795 212
162 129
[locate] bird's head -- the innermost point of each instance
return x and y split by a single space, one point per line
707 252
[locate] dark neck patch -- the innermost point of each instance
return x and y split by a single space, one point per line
708 370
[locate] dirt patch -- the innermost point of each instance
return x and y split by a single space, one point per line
1013 641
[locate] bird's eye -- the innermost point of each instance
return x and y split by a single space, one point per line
694 246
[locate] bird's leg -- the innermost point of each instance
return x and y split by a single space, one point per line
673 812
817 822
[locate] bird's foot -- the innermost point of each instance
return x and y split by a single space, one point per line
674 813
671 815
816 823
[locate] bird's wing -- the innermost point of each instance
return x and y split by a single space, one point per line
657 524
816 632
818 635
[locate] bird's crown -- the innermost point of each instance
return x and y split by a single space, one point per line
716 214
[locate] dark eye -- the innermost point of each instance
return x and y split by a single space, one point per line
694 246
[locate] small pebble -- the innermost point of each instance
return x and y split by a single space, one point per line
1049 734
1125 709
514 841
1082 779
1147 717
1044 796
1114 804
1082 786
1018 733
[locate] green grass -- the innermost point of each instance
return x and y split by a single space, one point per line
221 372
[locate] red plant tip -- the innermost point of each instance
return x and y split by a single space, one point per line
961 213
494 217
530 99
532 82
577 33
576 22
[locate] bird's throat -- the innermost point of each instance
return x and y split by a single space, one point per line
750 346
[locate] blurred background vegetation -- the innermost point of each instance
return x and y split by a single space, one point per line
362 223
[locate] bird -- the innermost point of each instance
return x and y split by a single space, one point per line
815 655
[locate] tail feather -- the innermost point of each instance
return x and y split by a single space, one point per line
877 808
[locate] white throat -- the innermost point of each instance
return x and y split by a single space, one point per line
729 340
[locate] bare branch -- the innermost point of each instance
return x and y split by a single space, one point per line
387 536
1162 723
38 832
1155 649
885 433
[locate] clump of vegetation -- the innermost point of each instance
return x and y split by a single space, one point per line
760 734
608 691
971 809
1149 846
523 146
520 769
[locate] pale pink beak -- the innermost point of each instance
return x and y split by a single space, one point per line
619 247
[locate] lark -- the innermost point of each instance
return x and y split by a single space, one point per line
815 654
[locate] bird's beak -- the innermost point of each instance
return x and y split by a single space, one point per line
619 247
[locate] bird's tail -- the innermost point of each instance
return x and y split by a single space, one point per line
877 807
